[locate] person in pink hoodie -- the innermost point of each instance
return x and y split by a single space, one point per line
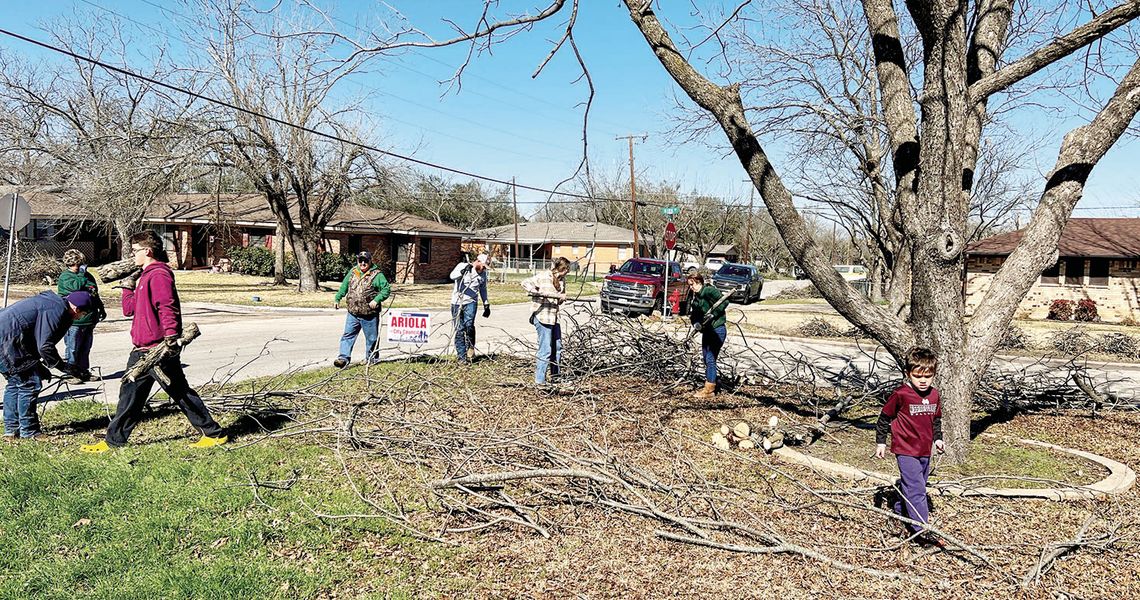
156 314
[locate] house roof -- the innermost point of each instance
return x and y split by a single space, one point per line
723 249
541 233
1082 237
248 210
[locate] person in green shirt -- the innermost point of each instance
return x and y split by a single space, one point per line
81 334
364 287
707 315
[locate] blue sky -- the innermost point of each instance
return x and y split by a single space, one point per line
505 124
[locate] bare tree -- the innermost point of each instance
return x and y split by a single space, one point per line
935 107
267 67
109 144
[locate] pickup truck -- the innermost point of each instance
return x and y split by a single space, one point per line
638 287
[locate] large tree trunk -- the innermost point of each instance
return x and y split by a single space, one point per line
279 256
306 247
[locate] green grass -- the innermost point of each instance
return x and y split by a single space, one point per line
161 520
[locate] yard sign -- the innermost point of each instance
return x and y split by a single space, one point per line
406 327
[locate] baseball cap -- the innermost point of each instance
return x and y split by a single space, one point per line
483 258
364 255
81 300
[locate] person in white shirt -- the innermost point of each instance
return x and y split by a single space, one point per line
470 280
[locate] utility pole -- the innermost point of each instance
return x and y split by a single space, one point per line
748 225
515 202
632 186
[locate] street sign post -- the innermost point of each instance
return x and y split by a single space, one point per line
670 238
670 211
19 215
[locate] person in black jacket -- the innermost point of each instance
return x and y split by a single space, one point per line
29 332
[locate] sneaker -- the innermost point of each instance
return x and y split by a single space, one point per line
210 442
340 362
97 448
470 354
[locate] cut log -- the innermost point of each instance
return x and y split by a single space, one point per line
821 426
117 270
720 441
742 429
773 422
724 430
155 355
746 444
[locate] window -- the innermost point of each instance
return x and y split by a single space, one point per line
1051 275
402 251
623 250
257 240
425 250
575 249
42 229
1074 271
1098 272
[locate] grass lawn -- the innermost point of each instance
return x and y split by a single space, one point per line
161 520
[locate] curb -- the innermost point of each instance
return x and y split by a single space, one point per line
1120 477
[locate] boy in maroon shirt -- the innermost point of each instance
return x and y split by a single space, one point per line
913 417
156 317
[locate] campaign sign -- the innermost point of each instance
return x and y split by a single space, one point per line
405 327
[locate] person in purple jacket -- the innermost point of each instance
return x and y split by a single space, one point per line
156 316
913 418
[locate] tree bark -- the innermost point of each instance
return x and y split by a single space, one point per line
279 239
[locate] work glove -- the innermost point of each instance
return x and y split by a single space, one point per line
43 372
174 345
486 311
373 305
102 313
336 305
467 269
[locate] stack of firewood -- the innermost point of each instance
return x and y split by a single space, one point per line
743 436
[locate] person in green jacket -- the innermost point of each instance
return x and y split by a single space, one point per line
364 287
81 334
707 315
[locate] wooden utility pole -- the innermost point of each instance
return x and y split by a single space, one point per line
748 225
633 186
515 201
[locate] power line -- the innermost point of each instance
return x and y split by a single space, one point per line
282 122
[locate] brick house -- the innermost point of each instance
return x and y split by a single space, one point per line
546 241
1098 259
198 228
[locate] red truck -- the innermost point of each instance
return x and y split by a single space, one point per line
638 287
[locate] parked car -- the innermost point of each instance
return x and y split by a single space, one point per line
638 287
852 272
742 283
714 264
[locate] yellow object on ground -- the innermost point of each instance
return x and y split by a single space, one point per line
209 442
97 448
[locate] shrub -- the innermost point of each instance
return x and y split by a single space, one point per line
1014 338
259 261
1086 311
1120 344
1060 310
1072 342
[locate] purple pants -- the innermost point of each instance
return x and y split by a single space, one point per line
915 470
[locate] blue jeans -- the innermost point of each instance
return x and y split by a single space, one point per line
464 319
78 341
549 352
20 395
914 471
353 325
711 342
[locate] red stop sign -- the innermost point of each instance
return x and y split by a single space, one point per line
670 235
